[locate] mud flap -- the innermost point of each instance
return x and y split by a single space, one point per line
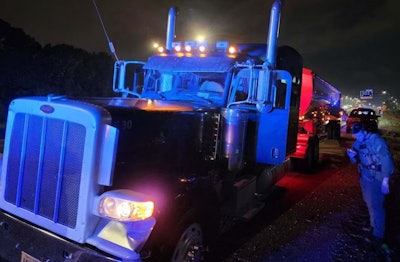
309 162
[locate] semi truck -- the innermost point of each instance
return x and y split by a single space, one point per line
195 139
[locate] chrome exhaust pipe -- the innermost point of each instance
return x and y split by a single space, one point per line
273 32
171 27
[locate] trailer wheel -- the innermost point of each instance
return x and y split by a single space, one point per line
316 150
312 155
309 160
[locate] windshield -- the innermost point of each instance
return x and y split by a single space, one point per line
206 87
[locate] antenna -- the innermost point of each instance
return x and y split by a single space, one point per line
110 44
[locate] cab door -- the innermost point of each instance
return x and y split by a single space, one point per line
273 127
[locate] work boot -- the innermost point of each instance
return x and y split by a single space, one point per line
386 251
385 248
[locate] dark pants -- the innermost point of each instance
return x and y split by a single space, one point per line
374 198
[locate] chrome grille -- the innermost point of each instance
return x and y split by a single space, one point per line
44 167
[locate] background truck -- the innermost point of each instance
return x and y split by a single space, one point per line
197 139
319 116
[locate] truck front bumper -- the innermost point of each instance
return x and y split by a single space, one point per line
21 241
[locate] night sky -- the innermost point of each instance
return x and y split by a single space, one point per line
353 44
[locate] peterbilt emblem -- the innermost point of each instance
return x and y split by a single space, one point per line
47 109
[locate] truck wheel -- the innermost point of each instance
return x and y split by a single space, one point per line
312 156
190 244
309 160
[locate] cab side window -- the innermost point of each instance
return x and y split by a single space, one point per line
242 85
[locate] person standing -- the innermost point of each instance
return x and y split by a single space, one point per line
375 164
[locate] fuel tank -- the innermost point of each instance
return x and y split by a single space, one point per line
234 123
317 93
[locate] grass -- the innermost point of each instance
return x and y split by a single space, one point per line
389 126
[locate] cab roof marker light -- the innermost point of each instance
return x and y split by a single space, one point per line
202 46
160 49
190 45
232 50
125 205
177 46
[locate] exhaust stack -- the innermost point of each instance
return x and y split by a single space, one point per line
171 27
273 32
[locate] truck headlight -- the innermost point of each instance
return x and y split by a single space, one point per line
125 205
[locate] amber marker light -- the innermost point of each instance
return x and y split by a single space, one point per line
232 50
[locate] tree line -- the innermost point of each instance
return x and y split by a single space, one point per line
29 69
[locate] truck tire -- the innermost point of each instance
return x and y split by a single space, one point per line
184 241
313 155
190 244
188 239
190 228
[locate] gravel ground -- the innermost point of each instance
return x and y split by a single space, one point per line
326 225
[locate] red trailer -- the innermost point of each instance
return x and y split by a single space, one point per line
319 116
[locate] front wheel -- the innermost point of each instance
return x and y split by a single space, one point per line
190 244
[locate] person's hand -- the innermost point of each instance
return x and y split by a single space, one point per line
352 154
385 186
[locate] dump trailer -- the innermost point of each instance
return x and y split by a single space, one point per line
196 138
319 117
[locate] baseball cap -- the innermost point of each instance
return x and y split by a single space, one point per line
357 127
